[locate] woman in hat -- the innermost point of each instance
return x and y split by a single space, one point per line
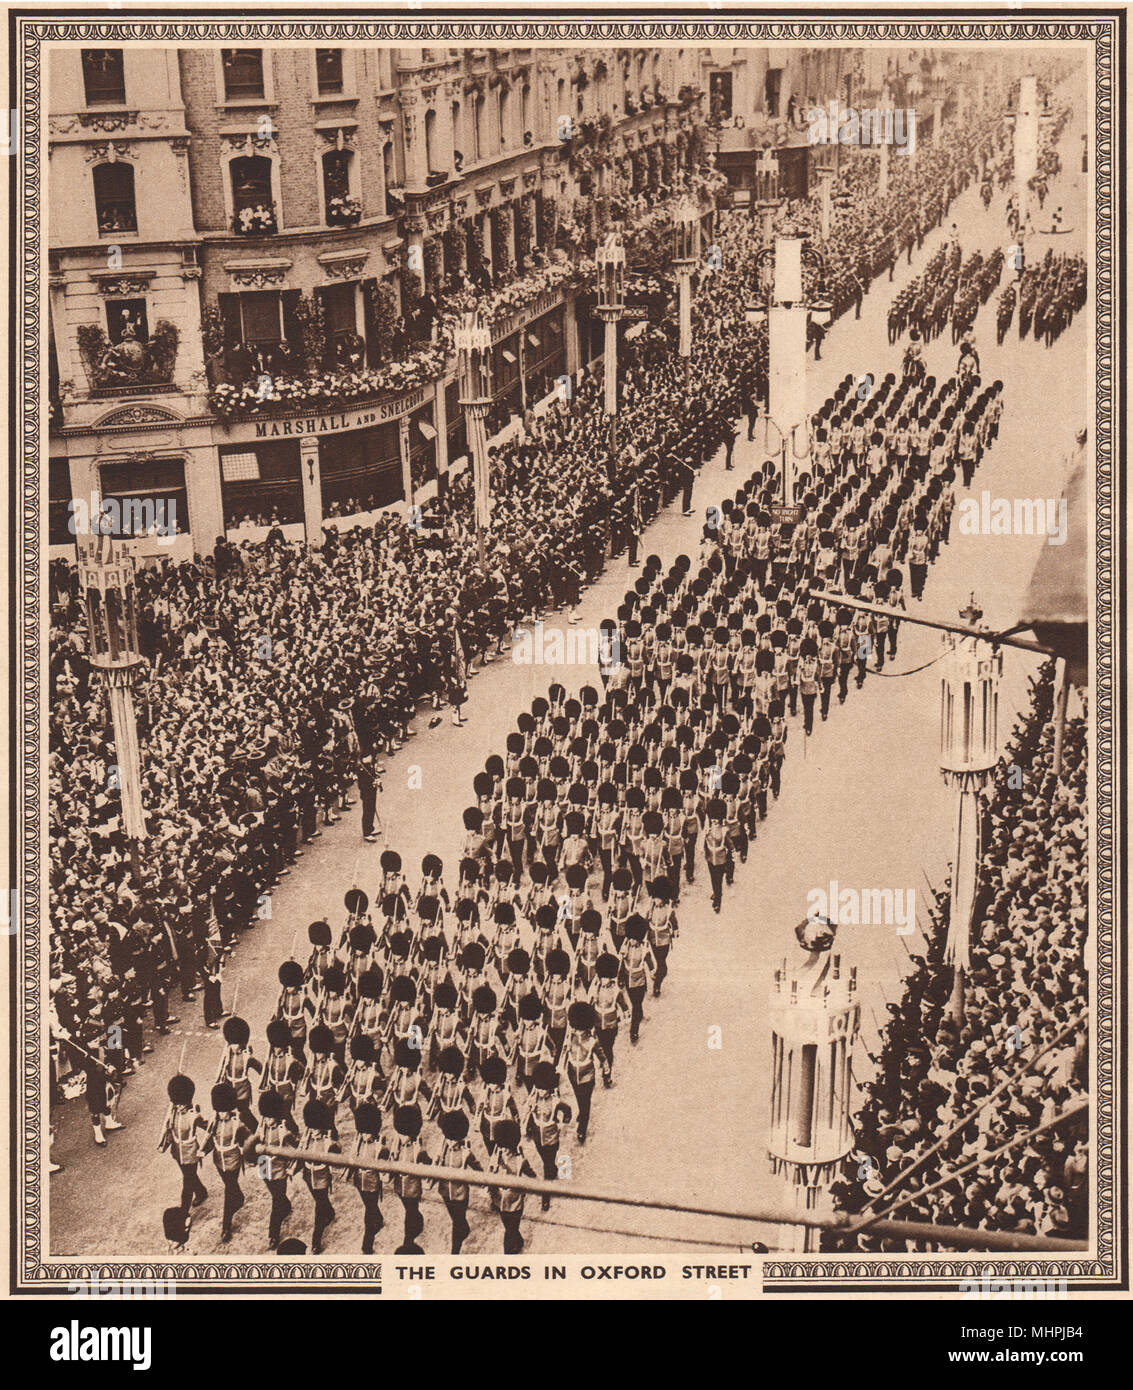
182 1136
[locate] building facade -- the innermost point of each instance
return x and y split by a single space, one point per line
252 253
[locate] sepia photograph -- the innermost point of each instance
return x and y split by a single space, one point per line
566 682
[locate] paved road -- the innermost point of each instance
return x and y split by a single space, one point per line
684 1121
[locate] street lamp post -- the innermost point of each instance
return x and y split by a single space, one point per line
969 743
686 253
107 576
473 343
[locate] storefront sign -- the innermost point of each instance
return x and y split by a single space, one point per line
340 423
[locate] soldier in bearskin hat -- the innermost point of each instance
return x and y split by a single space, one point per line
319 1136
236 1066
508 1158
368 1181
225 1140
282 1073
183 1135
405 1147
278 1129
456 1153
584 1057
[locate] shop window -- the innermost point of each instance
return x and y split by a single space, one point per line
261 485
149 497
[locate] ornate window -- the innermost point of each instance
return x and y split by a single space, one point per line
243 73
343 209
104 78
253 208
328 71
114 204
126 318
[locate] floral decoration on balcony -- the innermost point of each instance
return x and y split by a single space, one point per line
344 210
255 221
267 394
510 298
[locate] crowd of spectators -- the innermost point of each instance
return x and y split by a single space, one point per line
1015 1055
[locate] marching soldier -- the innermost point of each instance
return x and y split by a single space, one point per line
180 1136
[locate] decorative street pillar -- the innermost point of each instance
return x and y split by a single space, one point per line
312 491
611 261
826 175
937 120
405 452
786 346
686 254
815 1016
883 167
969 740
1026 143
107 575
473 344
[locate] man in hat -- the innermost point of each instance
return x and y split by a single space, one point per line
369 784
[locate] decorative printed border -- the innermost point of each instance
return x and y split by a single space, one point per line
35 1272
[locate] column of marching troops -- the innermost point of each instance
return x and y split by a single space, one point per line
442 1022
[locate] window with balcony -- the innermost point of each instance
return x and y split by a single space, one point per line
340 308
328 71
114 198
243 73
104 78
252 206
342 208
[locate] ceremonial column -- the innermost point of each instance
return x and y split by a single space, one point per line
107 576
611 261
826 175
815 1017
786 368
686 253
473 343
937 120
886 140
969 742
1026 142
312 490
